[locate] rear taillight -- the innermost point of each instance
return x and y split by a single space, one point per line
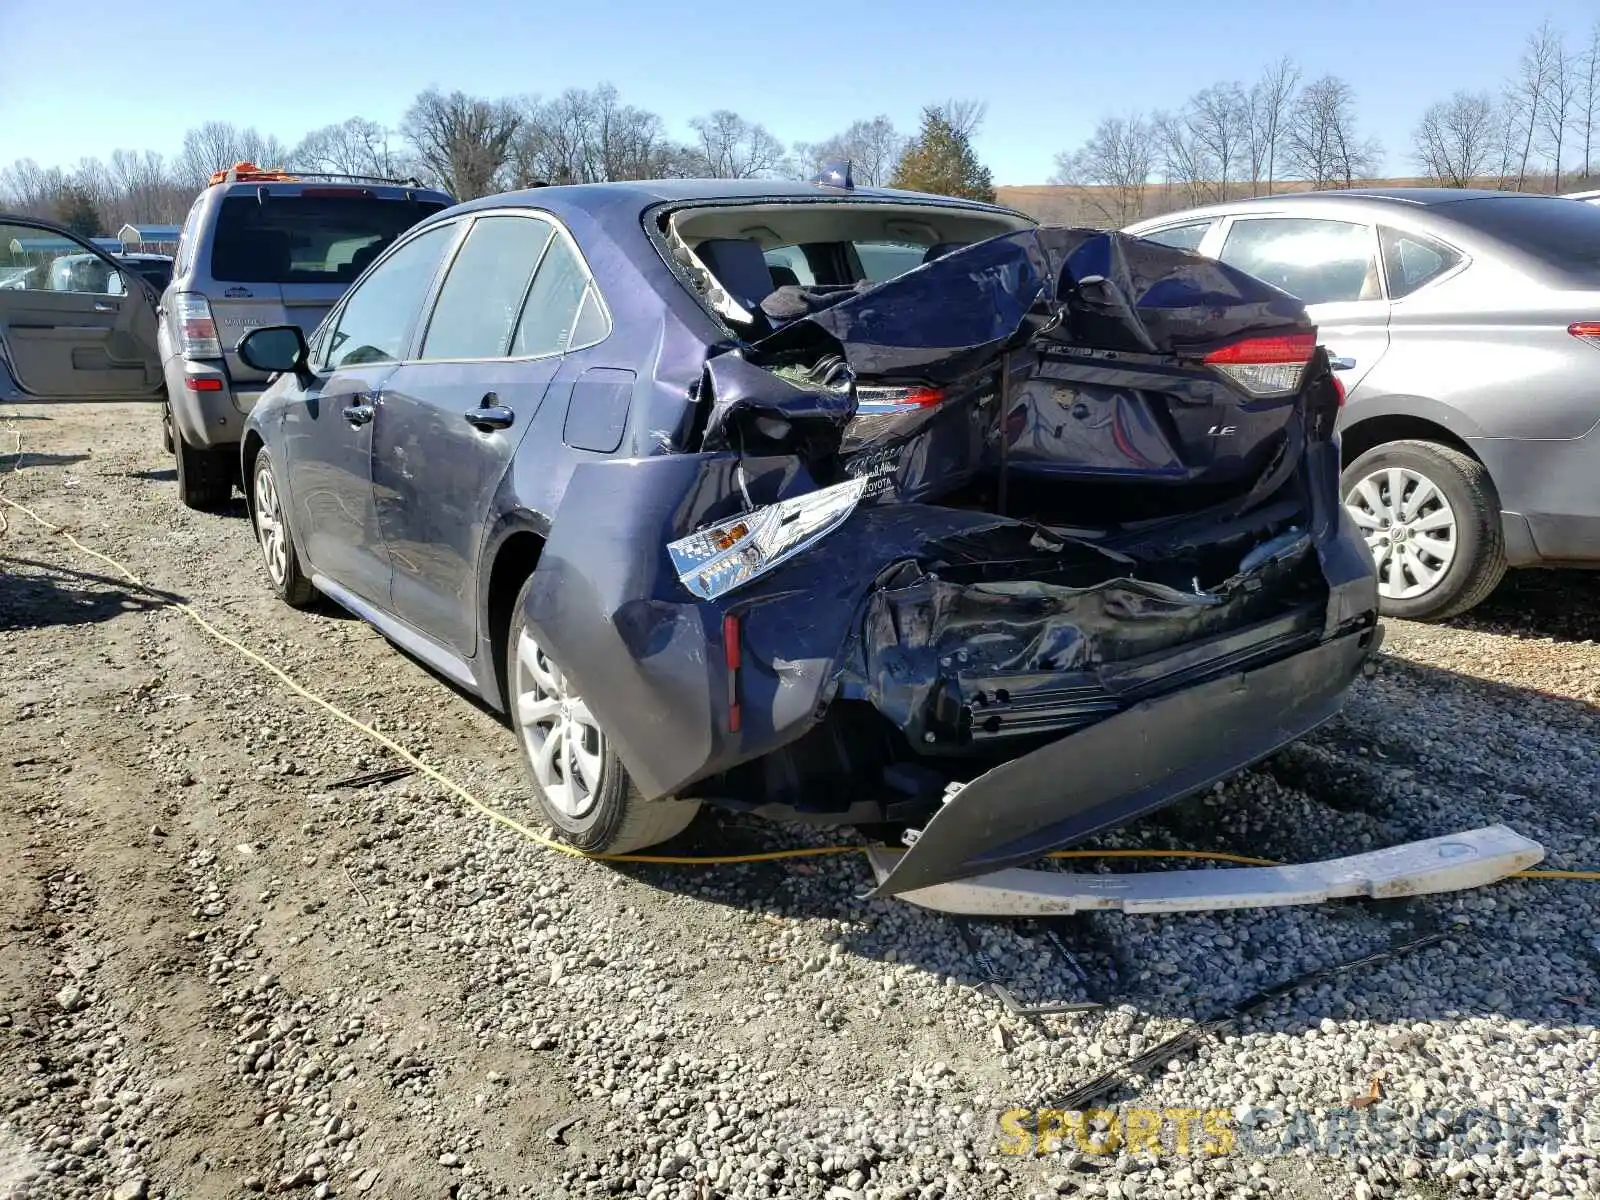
1589 331
1266 366
197 332
202 383
871 399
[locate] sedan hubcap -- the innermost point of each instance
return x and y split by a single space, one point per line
270 529
564 743
1410 529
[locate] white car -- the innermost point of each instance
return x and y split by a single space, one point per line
1591 197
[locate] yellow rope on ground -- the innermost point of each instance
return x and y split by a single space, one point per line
550 843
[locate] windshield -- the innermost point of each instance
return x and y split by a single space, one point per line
307 239
1564 235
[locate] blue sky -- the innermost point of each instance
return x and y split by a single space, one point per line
105 75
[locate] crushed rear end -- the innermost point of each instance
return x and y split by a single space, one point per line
1031 540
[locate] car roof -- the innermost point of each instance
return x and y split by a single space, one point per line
637 196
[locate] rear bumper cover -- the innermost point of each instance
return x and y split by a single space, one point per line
1129 764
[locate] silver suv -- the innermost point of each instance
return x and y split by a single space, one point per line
260 248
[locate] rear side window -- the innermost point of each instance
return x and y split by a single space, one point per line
376 321
1180 237
1563 235
881 261
1317 262
550 318
483 292
306 239
1411 260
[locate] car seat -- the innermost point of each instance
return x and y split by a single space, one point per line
740 267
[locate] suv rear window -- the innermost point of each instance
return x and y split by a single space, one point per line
1564 235
306 239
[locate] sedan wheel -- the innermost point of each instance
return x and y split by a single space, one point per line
582 788
566 749
276 539
1410 529
1431 518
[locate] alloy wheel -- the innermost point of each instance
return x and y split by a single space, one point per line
1410 528
564 742
270 529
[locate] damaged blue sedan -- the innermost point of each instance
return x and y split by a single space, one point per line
849 506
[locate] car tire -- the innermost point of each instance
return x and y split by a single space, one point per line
584 792
279 554
205 477
1442 550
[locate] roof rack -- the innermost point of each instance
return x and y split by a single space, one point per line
248 172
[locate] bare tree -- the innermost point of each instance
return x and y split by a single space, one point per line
734 148
1457 139
963 116
463 141
1554 118
1587 116
1112 170
147 187
31 189
1217 119
1525 92
873 148
586 136
1266 113
355 146
1185 163
1321 145
217 145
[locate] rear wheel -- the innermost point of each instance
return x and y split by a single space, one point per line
205 476
1431 517
582 787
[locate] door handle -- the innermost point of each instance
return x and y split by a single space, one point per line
102 307
489 415
1342 364
359 414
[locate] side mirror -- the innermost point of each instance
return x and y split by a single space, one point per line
274 348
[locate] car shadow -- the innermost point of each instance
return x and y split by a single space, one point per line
154 475
32 458
1555 604
37 595
1361 782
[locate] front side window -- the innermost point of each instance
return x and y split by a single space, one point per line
286 238
1180 237
482 294
378 316
882 261
560 296
1316 261
1411 260
37 260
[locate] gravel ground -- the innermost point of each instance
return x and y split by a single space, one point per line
221 976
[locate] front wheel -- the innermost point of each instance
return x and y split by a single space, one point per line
582 788
273 535
1431 517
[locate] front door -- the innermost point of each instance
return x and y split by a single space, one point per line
451 420
73 324
1332 268
331 431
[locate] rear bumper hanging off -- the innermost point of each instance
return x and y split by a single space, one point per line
1453 863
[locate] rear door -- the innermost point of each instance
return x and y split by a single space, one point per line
73 326
284 253
515 299
1332 267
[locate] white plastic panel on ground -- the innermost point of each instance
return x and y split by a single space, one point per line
1452 863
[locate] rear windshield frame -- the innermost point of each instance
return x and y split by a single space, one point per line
239 259
1539 231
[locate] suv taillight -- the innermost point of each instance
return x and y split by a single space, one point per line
1589 331
197 332
1266 366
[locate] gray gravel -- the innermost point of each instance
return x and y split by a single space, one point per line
219 976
